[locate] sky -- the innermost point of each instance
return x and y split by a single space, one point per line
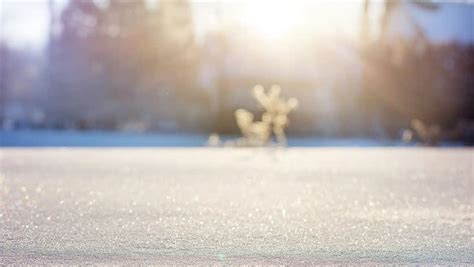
24 23
452 21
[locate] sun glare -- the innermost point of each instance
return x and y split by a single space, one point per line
280 18
272 19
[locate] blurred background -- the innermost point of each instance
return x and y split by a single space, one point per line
361 70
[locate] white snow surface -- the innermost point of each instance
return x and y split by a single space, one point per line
237 206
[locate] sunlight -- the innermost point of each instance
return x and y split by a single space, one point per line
281 18
272 19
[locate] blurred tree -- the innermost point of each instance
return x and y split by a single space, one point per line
18 72
387 96
178 57
4 59
70 93
110 63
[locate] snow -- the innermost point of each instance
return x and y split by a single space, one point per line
236 206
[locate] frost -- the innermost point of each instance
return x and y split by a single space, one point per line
254 132
213 140
428 134
274 119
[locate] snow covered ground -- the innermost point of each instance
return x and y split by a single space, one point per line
236 206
